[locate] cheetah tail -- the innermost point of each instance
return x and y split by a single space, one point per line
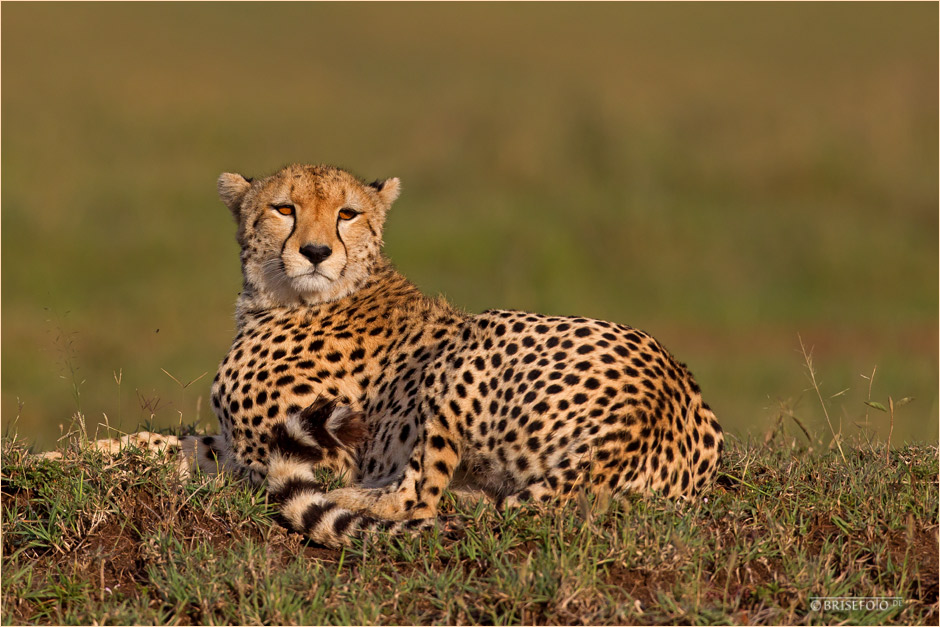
307 510
324 434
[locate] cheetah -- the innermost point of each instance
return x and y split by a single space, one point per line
340 362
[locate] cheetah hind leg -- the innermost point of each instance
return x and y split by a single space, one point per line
323 431
557 483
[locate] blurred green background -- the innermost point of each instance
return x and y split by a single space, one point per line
728 177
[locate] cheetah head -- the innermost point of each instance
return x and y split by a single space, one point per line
308 234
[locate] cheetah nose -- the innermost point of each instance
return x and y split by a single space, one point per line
315 252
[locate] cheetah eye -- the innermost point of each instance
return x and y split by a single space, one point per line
284 210
347 214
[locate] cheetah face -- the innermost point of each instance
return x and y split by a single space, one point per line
309 234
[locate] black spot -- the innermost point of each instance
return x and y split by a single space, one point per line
536 425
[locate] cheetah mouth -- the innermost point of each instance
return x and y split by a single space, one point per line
311 281
311 272
314 273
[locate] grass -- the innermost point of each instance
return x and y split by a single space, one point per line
695 171
122 541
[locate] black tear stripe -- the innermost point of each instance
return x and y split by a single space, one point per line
293 226
345 248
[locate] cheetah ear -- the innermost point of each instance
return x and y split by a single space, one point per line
232 189
388 190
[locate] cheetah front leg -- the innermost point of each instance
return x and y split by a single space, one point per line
418 494
210 454
144 440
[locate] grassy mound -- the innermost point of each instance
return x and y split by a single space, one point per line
123 541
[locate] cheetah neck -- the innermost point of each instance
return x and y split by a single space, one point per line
383 278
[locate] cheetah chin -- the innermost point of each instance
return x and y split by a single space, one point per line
311 283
